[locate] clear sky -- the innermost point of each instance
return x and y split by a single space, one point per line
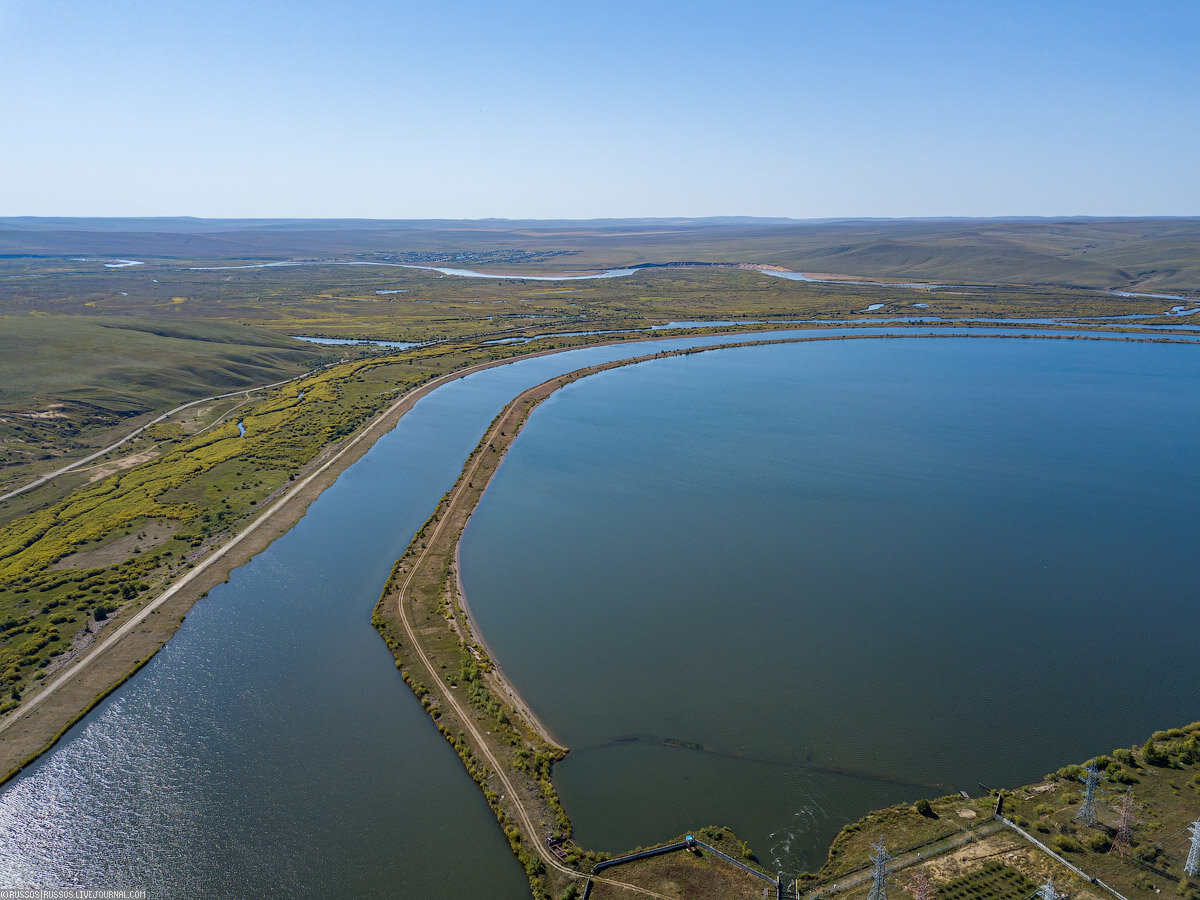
539 109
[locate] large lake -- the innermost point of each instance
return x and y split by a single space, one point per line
769 542
934 564
271 749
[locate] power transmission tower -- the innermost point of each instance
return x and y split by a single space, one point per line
1087 811
879 859
1122 844
1047 891
920 887
1192 866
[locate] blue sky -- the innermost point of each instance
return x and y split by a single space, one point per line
522 109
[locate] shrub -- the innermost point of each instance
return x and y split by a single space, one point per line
1099 842
922 806
1122 775
1190 752
1155 755
1066 844
1150 854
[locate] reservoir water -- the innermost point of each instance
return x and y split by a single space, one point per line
271 750
776 587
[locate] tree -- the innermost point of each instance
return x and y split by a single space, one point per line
1154 755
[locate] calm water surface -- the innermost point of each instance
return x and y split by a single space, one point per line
852 573
271 749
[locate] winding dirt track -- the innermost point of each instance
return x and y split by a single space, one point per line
42 479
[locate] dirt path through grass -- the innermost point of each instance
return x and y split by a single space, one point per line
42 479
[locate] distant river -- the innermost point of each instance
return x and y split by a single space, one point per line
855 573
271 749
1191 309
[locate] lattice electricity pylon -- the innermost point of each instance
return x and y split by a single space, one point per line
920 887
1122 844
1087 810
1047 891
1192 866
879 859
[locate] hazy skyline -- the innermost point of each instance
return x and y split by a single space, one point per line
541 110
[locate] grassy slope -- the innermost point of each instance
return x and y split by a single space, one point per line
135 365
71 384
1151 255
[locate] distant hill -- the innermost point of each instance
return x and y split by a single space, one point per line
1152 254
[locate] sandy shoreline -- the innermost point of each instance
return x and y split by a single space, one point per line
500 681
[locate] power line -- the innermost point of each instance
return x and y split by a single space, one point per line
1192 866
1122 844
920 886
1087 811
880 858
